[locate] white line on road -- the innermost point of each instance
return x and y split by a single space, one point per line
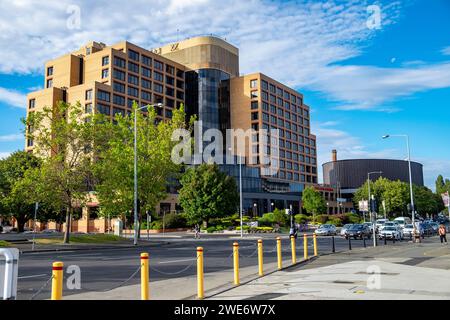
34 276
175 261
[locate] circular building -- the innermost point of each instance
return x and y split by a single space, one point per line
351 174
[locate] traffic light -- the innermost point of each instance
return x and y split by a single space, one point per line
373 205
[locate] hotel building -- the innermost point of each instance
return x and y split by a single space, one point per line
203 73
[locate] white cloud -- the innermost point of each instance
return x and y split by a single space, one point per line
446 51
432 168
13 98
4 154
11 137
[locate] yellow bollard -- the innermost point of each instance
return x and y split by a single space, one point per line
144 276
200 284
280 261
57 280
236 263
315 244
260 258
305 246
294 254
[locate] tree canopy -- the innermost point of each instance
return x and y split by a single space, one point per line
207 193
313 202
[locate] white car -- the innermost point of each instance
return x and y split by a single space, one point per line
344 229
380 224
326 230
408 230
390 232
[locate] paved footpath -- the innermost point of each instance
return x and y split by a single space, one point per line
408 271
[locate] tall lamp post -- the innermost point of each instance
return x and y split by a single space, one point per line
370 207
136 225
410 176
240 193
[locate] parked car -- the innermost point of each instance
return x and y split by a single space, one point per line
403 221
435 227
380 224
408 230
390 232
427 228
358 231
370 225
326 230
345 228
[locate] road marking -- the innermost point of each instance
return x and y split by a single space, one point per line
81 255
175 261
34 276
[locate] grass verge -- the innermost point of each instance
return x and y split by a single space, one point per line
88 238
4 243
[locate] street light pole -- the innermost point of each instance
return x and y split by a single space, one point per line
369 202
410 175
240 195
136 225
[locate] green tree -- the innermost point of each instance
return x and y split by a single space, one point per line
426 201
207 193
313 202
16 189
114 168
440 184
64 138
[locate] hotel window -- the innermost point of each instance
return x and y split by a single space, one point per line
146 72
265 106
273 119
272 88
273 109
299 111
118 87
133 67
264 85
170 91
289 176
295 166
313 143
146 60
146 95
300 100
294 156
273 99
130 102
296 176
254 115
294 127
265 117
119 75
29 142
287 105
306 113
253 83
105 61
288 135
287 96
119 62
170 69
88 108
168 113
293 99
306 132
279 92
105 73
170 80
295 147
146 84
265 95
180 95
302 178
170 103
49 83
254 105
158 65
180 73
180 84
117 111
158 88
134 92
254 94
255 126
282 164
158 99
88 95
280 112
158 76
133 55
282 175
49 71
280 102
31 103
103 109
282 143
133 79
119 100
103 95
294 118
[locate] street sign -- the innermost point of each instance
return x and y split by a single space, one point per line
341 200
363 205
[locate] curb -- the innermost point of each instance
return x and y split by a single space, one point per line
92 248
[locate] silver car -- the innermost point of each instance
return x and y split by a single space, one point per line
326 230
345 228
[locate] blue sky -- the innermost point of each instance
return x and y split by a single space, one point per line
360 82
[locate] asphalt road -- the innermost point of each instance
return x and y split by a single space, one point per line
104 269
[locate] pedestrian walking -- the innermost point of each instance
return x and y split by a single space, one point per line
197 231
442 233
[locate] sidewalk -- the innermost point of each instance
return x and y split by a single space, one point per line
419 271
